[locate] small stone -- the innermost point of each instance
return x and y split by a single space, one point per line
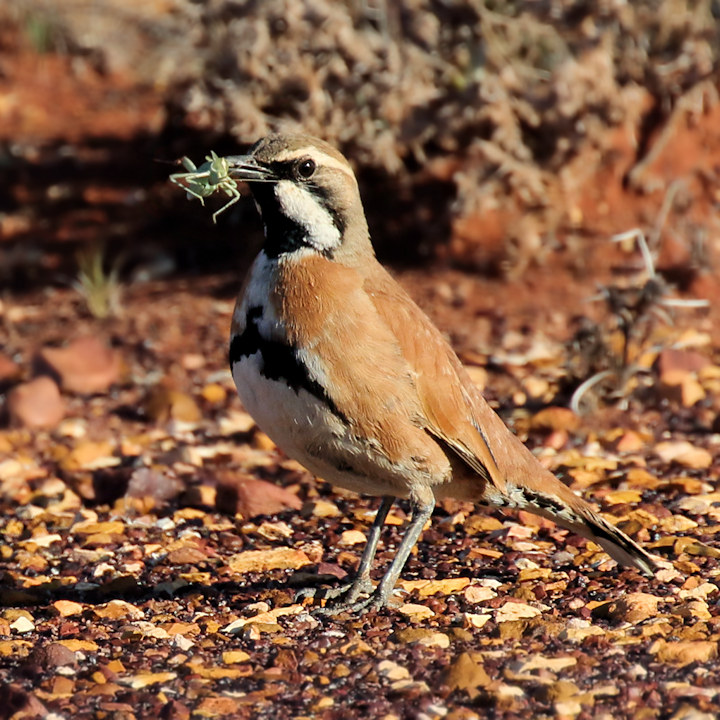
145 629
250 497
690 609
423 636
89 455
193 361
77 645
676 524
275 531
233 657
263 622
543 663
163 403
701 591
671 360
19 703
475 620
90 527
426 588
477 524
505 693
150 483
577 630
321 509
67 608
14 648
352 537
622 497
683 653
630 441
214 707
477 594
567 708
392 671
691 392
535 387
553 419
265 560
85 366
22 625
9 370
323 703
511 611
143 680
683 387
413 611
556 440
632 608
187 555
36 404
214 393
73 428
54 655
235 422
684 453
119 610
467 674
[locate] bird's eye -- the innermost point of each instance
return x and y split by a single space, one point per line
305 168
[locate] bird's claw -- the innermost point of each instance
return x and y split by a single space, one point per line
373 601
349 592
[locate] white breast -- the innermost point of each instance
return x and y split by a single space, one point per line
299 420
294 418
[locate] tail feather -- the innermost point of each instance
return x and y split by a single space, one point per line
616 543
574 514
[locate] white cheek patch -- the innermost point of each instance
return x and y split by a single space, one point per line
298 205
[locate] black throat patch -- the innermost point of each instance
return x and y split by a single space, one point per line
279 361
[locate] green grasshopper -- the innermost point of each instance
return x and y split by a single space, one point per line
211 176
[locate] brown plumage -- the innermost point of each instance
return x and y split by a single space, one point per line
350 377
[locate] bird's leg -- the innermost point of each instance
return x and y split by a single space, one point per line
379 598
361 582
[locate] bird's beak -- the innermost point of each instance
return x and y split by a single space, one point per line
246 168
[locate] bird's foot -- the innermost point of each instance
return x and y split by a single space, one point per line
374 600
345 597
356 607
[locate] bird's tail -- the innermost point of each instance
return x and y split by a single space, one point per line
574 514
614 542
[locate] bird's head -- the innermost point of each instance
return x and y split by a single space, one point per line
308 196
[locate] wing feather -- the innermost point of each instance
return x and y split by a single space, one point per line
454 410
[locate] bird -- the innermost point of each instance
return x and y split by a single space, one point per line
348 376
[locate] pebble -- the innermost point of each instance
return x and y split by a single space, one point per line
250 497
85 366
36 404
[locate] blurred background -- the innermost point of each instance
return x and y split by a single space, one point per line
486 135
499 147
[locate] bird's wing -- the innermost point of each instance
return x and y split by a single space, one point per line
458 415
455 411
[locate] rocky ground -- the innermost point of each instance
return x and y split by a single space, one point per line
153 539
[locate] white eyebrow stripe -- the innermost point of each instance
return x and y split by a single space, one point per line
320 157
